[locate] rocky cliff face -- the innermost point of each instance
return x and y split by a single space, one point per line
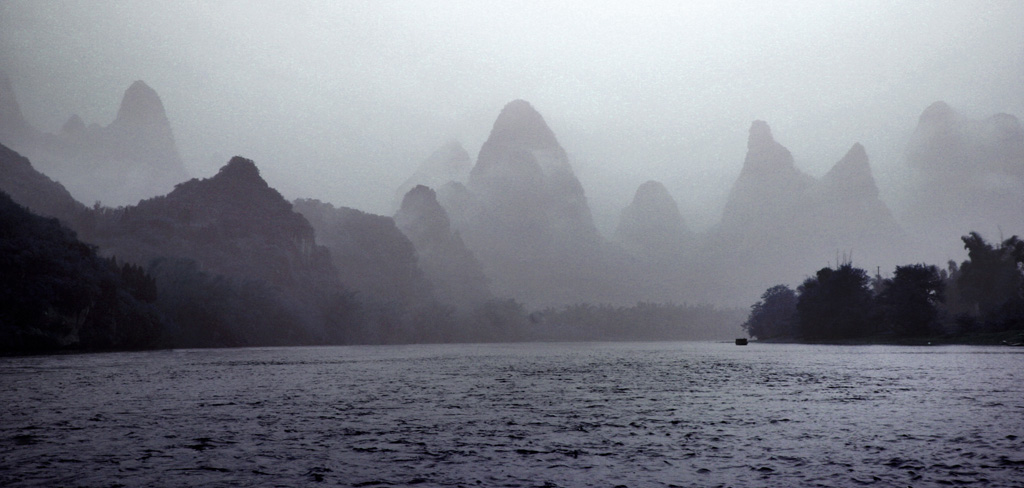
371 255
652 227
134 157
454 271
968 175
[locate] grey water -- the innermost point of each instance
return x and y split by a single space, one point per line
582 414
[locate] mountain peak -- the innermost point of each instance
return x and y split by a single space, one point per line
760 134
764 152
521 125
852 171
652 225
421 214
418 196
240 169
448 162
73 125
937 111
141 105
654 194
13 126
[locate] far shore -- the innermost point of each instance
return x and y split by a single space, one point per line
1006 338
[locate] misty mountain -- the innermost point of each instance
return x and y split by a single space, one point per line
768 190
967 175
524 214
525 182
451 267
232 225
370 254
652 227
779 220
14 129
449 163
36 191
847 207
132 158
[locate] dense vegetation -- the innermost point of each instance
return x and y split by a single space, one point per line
982 295
57 293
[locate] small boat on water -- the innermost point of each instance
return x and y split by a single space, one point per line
741 341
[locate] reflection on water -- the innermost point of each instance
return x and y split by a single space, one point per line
635 414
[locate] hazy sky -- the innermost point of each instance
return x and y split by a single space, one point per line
342 100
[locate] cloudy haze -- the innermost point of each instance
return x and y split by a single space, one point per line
342 100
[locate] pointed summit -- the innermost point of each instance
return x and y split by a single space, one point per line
652 225
528 207
652 197
451 158
522 142
241 169
74 125
937 112
763 152
420 207
234 194
768 185
14 129
519 124
141 106
448 163
853 173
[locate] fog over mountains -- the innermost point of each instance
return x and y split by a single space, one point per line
710 172
343 101
132 158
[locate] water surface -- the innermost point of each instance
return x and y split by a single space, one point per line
602 414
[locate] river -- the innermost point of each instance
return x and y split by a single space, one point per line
519 415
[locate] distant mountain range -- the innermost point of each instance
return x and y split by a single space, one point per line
132 158
524 214
514 223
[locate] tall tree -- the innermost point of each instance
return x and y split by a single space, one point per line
774 316
836 304
911 298
991 281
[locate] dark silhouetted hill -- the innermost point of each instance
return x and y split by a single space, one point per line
232 224
37 192
370 254
235 233
56 293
